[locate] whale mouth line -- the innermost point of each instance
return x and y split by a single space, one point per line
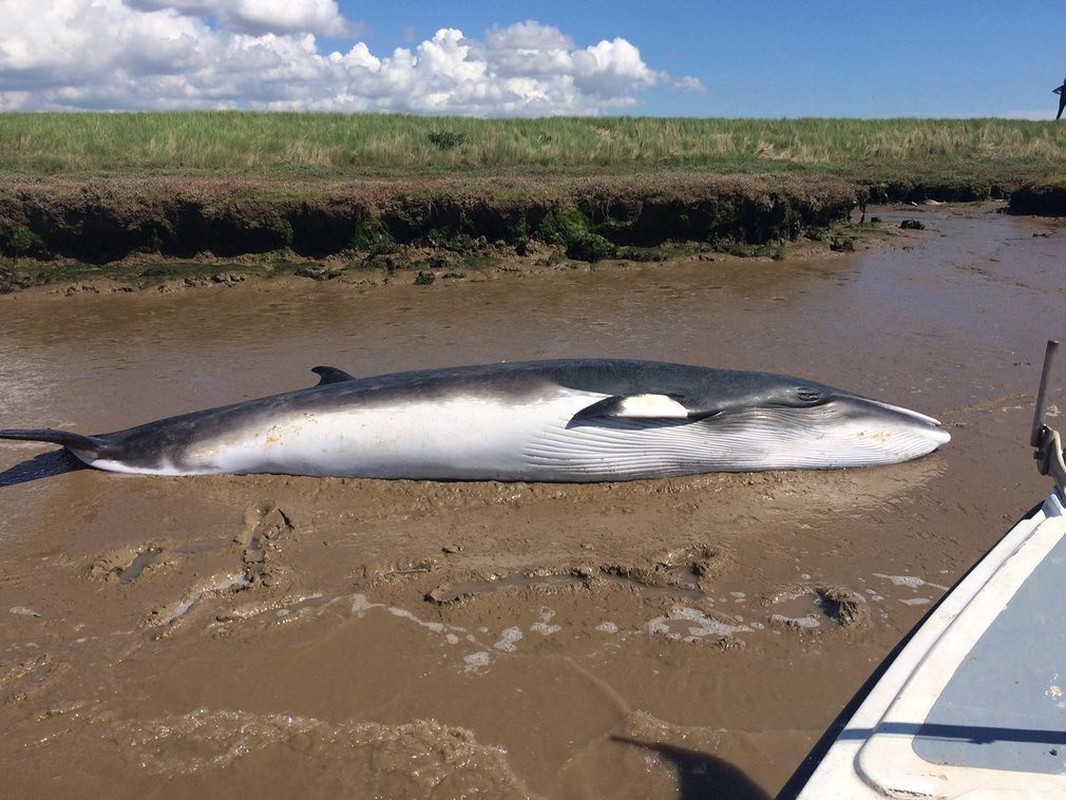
907 412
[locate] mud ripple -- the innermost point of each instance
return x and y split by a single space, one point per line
32 677
423 758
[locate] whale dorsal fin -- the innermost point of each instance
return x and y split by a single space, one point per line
328 375
635 406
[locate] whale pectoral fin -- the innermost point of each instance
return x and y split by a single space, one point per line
634 406
328 375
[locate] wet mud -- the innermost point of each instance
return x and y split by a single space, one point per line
272 635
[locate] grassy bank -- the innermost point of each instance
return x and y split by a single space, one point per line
99 188
981 152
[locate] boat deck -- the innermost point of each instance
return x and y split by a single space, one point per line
976 699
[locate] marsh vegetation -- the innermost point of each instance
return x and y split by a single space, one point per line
98 188
996 152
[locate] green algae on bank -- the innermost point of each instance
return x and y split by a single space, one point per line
422 265
591 218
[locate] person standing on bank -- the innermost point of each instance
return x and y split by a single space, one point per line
1061 92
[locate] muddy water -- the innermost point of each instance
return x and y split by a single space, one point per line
271 636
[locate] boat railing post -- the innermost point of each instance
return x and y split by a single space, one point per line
1047 441
1041 396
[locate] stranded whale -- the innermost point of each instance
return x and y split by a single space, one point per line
562 420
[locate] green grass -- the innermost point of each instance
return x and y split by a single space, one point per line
292 145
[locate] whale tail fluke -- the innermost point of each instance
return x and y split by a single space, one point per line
81 445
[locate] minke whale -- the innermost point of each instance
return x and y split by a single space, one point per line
561 420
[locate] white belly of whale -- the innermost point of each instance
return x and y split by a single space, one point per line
460 438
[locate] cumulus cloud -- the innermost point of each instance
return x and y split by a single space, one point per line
263 54
261 16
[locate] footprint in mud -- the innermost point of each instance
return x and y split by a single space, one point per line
263 529
684 571
463 590
126 564
811 607
168 616
692 565
396 569
681 572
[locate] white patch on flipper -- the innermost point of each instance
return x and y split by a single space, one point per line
651 406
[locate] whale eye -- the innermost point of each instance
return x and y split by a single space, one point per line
810 395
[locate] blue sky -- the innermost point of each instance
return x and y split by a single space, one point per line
695 59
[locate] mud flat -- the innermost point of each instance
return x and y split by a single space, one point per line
272 635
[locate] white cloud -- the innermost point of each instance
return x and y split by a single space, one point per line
316 16
263 54
529 49
262 16
610 69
